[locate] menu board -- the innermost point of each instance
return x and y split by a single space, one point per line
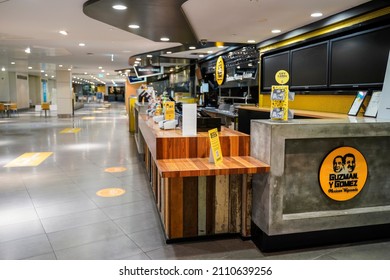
372 108
357 103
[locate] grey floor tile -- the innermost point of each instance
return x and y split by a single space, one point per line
82 235
139 222
48 257
58 198
150 239
108 249
13 215
128 209
66 208
20 230
368 251
25 248
73 220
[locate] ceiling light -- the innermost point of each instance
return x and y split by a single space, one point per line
100 67
28 50
13 62
3 69
138 59
316 15
201 55
251 41
60 65
29 67
134 26
192 48
149 55
63 32
42 71
209 52
276 31
119 7
164 39
81 44
169 52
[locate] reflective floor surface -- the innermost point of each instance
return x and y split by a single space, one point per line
51 210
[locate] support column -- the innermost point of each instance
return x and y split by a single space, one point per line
64 94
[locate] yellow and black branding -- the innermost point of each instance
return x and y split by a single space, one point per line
220 71
282 77
343 173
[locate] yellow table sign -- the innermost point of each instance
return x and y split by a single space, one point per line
169 113
215 147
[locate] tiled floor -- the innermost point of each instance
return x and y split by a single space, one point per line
51 211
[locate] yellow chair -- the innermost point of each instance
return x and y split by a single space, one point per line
13 108
45 107
3 111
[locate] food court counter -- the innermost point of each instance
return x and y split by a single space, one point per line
196 198
329 181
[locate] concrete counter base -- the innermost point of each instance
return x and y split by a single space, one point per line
289 200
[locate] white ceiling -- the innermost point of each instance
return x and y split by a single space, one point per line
36 24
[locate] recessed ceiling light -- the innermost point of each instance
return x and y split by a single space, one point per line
276 31
3 69
192 48
13 62
63 32
316 14
29 67
201 55
27 50
251 41
149 55
164 39
209 52
138 59
42 71
81 44
119 7
60 65
100 67
169 52
134 26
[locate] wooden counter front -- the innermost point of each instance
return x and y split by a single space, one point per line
172 144
196 198
170 168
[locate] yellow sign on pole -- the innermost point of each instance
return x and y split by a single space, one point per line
220 71
215 147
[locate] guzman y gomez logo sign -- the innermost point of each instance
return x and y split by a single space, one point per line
343 173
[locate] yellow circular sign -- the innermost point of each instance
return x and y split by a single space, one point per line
343 173
220 71
111 192
282 77
115 169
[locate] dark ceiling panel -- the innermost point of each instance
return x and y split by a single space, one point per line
157 18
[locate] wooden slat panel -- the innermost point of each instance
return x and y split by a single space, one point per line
154 179
190 206
202 205
175 186
246 205
203 147
159 192
222 204
235 203
202 167
210 204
